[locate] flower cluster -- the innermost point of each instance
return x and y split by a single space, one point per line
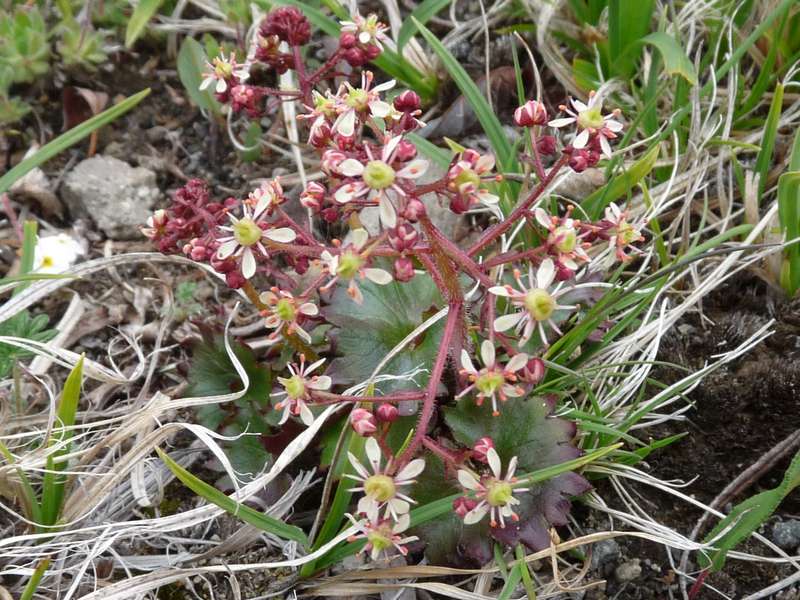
357 128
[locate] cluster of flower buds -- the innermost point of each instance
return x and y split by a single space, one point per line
369 162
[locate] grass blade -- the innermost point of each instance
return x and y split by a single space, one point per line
620 185
245 513
36 578
142 14
628 22
764 159
422 14
675 60
54 481
70 138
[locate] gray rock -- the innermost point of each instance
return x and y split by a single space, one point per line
786 534
115 195
628 571
604 552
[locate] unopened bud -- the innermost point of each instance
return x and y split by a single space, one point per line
534 370
414 210
363 422
387 413
546 145
531 113
403 237
407 101
462 505
403 269
481 448
405 151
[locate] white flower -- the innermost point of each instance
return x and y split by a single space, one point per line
591 121
295 392
563 238
493 380
284 311
246 235
221 71
378 179
495 493
381 490
365 100
56 253
350 264
382 535
368 31
622 234
536 305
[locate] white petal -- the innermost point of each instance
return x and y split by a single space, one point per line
345 123
500 290
323 382
379 108
487 353
399 506
304 335
467 480
512 391
411 470
387 213
378 276
488 198
387 85
545 274
360 237
476 514
359 468
517 362
248 263
580 106
206 83
543 218
506 322
494 462
512 467
402 523
346 193
561 122
309 309
581 139
466 362
614 126
414 169
604 146
373 451
306 416
221 86
226 249
281 234
350 167
390 146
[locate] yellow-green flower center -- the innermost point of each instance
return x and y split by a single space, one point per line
379 487
222 68
247 232
540 304
467 176
566 239
499 492
591 119
295 387
358 99
380 538
378 175
285 310
626 233
349 264
488 383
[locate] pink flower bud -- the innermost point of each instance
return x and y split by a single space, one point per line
462 505
407 101
459 204
235 280
563 272
405 151
534 370
363 422
288 24
372 52
355 57
414 210
347 40
481 447
579 161
387 413
403 269
546 145
312 196
403 237
531 113
331 160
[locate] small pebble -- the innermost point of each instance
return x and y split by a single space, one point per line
604 552
628 571
786 534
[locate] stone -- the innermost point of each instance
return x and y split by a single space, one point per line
786 534
604 552
113 194
628 571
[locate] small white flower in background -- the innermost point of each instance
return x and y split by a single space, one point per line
380 488
284 311
382 535
295 393
495 493
536 305
56 253
622 234
350 265
367 30
493 380
350 102
591 121
220 71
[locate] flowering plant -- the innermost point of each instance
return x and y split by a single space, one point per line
493 316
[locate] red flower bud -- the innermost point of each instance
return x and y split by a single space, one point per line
363 422
414 210
289 24
403 269
531 113
387 413
405 151
534 370
403 237
347 40
312 196
546 145
407 101
355 57
462 505
481 447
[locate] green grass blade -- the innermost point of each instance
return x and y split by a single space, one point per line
789 217
29 501
675 60
620 185
29 238
764 158
70 138
486 115
422 14
245 513
628 22
438 155
142 14
36 578
54 481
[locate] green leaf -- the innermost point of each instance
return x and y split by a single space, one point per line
628 22
422 14
789 217
191 64
54 481
367 332
243 512
142 14
764 158
36 578
22 325
439 156
621 184
747 516
675 60
486 115
69 138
